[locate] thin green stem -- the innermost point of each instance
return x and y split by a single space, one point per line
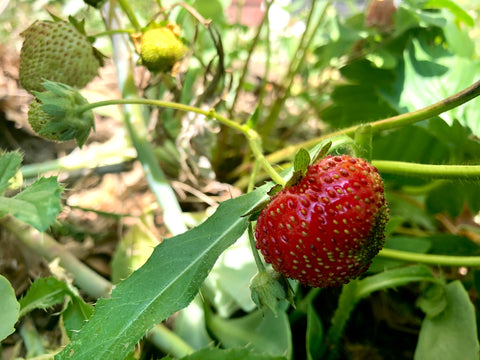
125 5
255 145
113 32
256 256
166 104
394 122
450 172
252 136
253 177
431 259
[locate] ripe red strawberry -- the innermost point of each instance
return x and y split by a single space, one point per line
326 229
57 51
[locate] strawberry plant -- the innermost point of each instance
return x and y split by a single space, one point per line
310 176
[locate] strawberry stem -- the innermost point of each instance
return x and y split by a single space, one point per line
253 137
450 172
431 259
124 4
256 256
394 122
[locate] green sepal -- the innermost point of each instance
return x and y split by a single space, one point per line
300 166
322 152
268 288
61 103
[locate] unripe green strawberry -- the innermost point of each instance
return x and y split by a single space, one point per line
39 118
326 229
57 51
59 114
160 49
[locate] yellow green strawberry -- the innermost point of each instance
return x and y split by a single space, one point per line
160 49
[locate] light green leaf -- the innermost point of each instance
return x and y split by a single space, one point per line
262 331
9 306
456 10
42 294
167 282
38 205
302 160
9 164
451 335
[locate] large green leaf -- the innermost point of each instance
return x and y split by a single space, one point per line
452 334
167 282
264 332
9 306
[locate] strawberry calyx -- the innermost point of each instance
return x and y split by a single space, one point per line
60 104
269 288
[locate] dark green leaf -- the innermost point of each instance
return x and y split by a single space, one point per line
76 315
451 335
167 282
314 335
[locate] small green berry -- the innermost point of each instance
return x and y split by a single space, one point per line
160 49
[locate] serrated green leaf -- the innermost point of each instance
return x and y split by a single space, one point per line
76 315
10 308
229 354
262 331
452 334
42 294
9 164
37 205
167 282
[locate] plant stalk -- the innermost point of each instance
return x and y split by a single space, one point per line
448 172
431 259
252 136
